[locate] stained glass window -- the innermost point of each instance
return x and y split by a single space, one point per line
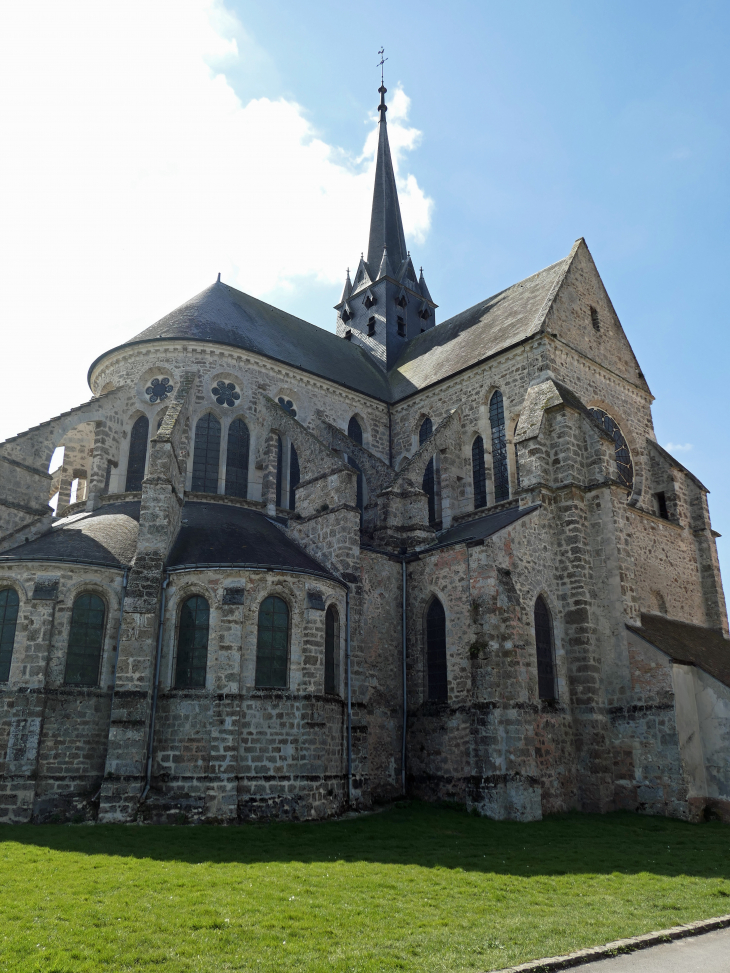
436 651
545 653
331 650
192 644
429 481
85 641
354 431
225 393
279 469
478 473
624 465
500 472
293 476
8 622
272 646
137 454
206 454
237 459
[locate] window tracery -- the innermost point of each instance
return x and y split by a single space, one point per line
225 393
237 456
287 405
206 454
158 390
624 463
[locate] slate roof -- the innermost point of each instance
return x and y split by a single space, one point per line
217 533
692 645
481 527
223 315
108 536
386 225
491 326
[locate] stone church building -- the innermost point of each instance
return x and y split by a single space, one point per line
292 571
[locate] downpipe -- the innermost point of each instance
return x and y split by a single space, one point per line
158 660
349 698
405 686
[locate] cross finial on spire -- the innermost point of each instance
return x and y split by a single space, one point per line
381 62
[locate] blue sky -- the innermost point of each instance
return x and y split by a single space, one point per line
521 127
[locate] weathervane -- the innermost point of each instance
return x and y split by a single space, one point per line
381 62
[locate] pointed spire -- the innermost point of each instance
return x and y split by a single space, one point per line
386 225
347 290
424 289
385 270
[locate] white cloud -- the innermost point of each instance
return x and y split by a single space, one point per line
132 174
678 447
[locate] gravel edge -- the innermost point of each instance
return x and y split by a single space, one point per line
619 946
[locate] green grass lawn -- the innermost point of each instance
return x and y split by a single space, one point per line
416 887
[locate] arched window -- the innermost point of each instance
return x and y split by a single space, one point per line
272 645
85 641
293 476
624 464
137 454
354 431
478 473
206 455
436 651
429 480
545 650
237 459
331 650
279 469
192 644
8 622
500 473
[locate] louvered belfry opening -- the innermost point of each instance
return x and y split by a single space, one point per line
436 651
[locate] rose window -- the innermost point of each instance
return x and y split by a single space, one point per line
225 393
288 405
158 390
624 465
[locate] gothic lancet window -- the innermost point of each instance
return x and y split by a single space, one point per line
429 480
331 651
436 651
137 454
192 644
206 454
500 474
624 464
85 641
279 469
354 431
294 476
237 459
479 475
272 645
545 650
8 622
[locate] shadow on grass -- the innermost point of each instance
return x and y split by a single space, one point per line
426 835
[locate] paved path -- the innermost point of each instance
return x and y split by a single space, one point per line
707 953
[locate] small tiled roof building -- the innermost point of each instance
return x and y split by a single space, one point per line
291 572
